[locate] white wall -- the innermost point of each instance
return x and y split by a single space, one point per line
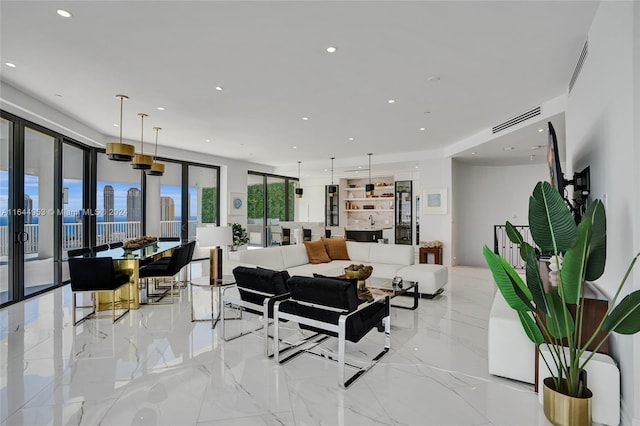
437 174
602 132
487 196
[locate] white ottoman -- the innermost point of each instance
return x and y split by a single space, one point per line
511 353
603 379
431 278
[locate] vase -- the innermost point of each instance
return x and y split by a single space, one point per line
564 410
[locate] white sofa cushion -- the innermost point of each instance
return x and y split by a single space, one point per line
384 270
267 258
294 255
397 254
358 252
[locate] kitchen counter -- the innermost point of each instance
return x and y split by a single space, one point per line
364 235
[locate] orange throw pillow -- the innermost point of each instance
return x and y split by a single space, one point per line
316 252
336 248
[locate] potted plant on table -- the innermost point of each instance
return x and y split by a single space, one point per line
545 314
240 236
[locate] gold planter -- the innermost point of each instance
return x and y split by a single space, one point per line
564 410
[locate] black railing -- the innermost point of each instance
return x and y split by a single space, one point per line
503 246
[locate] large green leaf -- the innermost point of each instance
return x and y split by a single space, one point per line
550 221
514 235
598 247
531 328
534 283
559 320
506 279
625 317
575 263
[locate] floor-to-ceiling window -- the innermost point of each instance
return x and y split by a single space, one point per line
40 213
119 201
6 132
170 199
270 200
203 197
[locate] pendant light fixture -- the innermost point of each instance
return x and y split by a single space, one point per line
333 189
141 161
157 169
369 187
120 151
299 190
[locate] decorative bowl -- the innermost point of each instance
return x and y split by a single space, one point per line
360 273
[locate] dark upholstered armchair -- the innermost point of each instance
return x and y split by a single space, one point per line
96 274
331 307
259 289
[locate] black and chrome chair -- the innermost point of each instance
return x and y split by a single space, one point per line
164 269
258 290
97 274
331 307
191 246
116 245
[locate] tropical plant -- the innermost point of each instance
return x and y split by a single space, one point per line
544 314
240 236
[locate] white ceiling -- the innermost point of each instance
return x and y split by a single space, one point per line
494 60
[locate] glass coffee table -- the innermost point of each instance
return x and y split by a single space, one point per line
215 284
380 287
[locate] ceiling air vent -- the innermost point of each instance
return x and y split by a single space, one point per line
576 71
515 120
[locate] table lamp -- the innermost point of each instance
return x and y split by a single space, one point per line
216 237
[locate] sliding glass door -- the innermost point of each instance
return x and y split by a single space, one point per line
6 139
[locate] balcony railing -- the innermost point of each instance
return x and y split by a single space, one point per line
503 246
106 232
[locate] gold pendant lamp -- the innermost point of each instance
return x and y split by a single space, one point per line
369 187
333 189
141 161
120 151
299 190
157 169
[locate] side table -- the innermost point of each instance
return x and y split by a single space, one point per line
435 251
217 284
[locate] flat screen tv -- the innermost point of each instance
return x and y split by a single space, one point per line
553 158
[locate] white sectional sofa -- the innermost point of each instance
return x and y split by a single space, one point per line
388 261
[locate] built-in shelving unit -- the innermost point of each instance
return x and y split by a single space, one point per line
358 207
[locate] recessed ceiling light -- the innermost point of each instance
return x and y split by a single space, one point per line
423 128
540 130
359 167
392 101
326 170
294 147
433 78
331 49
10 64
305 118
417 167
508 148
207 140
64 13
116 125
473 153
219 88
350 139
356 172
160 108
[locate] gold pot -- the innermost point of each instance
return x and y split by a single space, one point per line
565 410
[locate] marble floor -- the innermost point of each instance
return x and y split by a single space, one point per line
155 366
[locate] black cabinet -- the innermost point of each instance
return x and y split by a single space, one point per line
404 211
331 203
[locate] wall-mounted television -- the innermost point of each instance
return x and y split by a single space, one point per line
553 158
581 180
